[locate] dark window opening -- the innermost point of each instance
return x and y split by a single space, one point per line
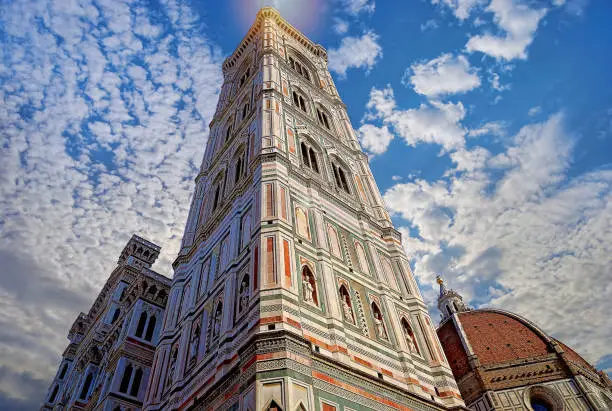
125 380
136 383
141 324
150 329
86 386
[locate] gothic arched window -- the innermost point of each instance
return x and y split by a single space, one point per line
410 337
63 372
229 129
115 315
300 101
239 165
136 383
309 157
141 324
125 380
54 394
323 118
245 110
309 286
86 386
347 305
299 68
150 328
245 76
340 177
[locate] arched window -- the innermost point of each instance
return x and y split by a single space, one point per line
299 68
150 328
323 118
136 383
379 322
141 324
86 386
334 243
309 286
245 110
245 76
53 394
125 380
347 305
309 157
409 336
361 257
340 177
301 222
455 307
216 197
274 406
239 165
299 101
229 129
115 315
63 372
448 309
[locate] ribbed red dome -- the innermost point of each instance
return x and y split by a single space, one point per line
495 337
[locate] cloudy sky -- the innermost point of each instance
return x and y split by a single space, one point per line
488 122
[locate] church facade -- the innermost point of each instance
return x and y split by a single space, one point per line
107 363
291 290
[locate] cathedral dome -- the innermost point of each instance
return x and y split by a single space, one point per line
496 355
498 337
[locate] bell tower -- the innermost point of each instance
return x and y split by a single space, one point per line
292 290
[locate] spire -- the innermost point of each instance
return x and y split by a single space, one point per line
440 282
449 301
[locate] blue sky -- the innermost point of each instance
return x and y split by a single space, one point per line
488 123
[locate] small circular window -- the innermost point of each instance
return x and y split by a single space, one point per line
539 404
542 398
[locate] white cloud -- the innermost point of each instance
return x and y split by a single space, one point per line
515 231
90 157
495 128
433 122
355 52
430 24
374 139
443 75
495 82
340 26
355 7
534 111
460 8
519 23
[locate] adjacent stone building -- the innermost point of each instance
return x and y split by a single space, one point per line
107 363
504 362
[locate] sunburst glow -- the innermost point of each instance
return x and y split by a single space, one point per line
306 15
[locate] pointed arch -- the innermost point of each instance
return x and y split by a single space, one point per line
86 386
273 406
125 380
150 328
136 383
54 394
63 371
141 324
411 340
361 258
334 242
